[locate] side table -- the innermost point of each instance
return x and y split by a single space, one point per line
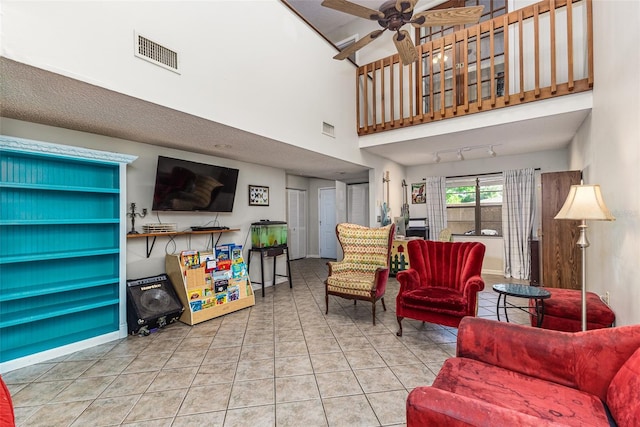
521 291
270 252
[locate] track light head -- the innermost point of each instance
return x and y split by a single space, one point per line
460 156
491 152
436 157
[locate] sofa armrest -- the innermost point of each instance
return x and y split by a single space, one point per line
380 281
539 353
429 406
408 279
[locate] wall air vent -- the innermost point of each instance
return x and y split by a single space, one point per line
155 53
328 129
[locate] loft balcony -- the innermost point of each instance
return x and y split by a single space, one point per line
539 52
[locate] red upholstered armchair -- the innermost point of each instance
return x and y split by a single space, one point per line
506 374
442 284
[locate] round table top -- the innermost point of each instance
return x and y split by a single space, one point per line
522 291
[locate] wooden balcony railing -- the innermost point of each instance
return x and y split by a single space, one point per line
538 52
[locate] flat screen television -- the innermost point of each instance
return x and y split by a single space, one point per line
182 185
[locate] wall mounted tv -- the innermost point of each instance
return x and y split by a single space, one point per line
183 185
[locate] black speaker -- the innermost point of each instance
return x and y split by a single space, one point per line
151 303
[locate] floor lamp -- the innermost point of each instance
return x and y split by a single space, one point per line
583 203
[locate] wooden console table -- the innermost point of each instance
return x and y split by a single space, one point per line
177 233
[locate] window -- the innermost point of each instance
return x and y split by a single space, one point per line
474 205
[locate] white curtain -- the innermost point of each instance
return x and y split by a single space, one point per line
518 204
436 189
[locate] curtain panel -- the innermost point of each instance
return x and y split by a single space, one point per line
518 209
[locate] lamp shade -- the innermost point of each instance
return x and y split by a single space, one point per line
585 202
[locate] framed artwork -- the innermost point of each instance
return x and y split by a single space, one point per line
258 195
417 193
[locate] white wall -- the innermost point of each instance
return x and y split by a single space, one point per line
250 73
606 149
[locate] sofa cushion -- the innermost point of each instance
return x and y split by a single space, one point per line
521 393
623 395
444 299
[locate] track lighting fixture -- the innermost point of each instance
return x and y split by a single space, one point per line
459 151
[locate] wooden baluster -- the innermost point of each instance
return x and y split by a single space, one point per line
392 93
401 89
465 70
374 95
358 106
454 72
366 97
590 41
570 44
382 98
411 112
520 52
536 48
478 70
419 86
552 39
505 32
442 74
492 68
430 62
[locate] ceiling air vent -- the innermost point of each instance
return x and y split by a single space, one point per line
156 53
328 129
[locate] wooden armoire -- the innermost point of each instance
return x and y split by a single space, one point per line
561 259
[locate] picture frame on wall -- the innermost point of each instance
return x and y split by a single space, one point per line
258 195
418 195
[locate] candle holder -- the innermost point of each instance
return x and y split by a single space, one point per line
133 214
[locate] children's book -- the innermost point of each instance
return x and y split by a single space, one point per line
190 259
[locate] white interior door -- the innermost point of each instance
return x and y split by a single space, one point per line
297 223
327 226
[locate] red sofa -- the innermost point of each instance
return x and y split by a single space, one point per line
442 284
506 374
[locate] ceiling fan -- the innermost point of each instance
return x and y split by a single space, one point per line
393 14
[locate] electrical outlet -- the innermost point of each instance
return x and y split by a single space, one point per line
605 298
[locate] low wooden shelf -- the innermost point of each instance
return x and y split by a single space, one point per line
177 233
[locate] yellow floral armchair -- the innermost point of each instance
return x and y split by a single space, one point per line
363 272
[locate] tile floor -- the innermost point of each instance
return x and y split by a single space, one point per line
282 362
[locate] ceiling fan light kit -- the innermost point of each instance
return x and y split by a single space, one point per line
393 15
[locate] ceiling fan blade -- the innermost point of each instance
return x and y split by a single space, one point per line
344 53
353 9
404 6
445 17
406 49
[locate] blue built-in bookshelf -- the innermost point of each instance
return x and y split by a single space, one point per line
61 250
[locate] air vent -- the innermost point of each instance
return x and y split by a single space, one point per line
156 53
328 129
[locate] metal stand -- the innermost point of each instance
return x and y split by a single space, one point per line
270 252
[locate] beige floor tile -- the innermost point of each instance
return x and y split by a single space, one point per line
208 419
364 359
255 370
129 384
252 393
377 379
256 416
296 365
169 379
340 383
105 412
386 404
84 389
350 411
205 399
291 348
61 414
329 362
412 376
302 387
151 406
